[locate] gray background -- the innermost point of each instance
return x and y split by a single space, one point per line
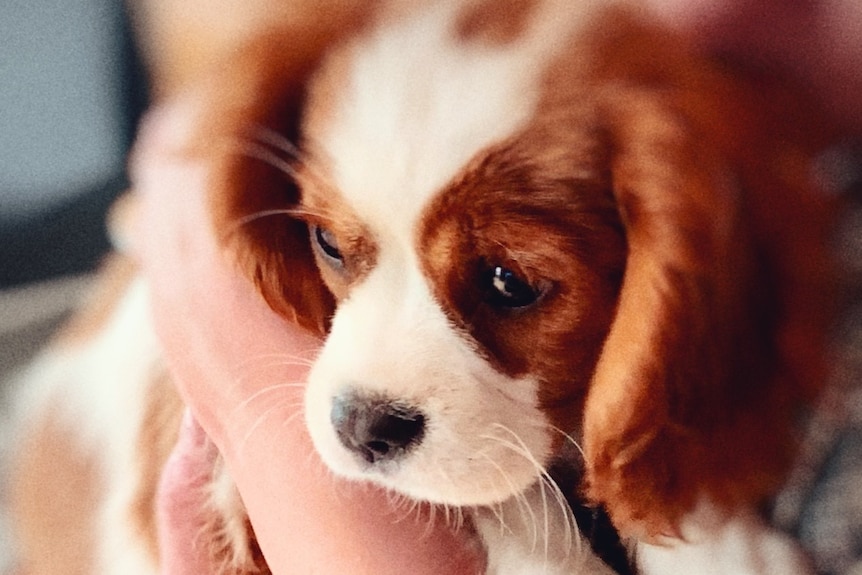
70 95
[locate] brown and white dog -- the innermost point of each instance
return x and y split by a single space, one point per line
522 226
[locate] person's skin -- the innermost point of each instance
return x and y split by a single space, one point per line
224 344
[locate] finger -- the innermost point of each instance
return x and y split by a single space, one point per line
181 497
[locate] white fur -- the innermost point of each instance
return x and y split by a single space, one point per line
99 388
712 545
535 534
485 431
417 107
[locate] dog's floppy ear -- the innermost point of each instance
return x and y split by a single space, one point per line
252 110
694 393
721 321
687 324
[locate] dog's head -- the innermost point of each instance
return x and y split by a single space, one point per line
474 249
476 255
497 227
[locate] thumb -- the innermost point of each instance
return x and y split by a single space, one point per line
181 500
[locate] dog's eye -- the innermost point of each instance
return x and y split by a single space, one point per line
327 243
506 289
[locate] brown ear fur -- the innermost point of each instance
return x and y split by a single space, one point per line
719 331
260 89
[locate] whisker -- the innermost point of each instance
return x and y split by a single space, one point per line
265 391
412 507
568 438
298 212
523 505
253 217
458 521
520 447
398 501
572 535
449 514
497 510
277 140
546 481
301 359
432 520
455 517
433 508
295 416
546 523
281 143
249 367
257 423
257 151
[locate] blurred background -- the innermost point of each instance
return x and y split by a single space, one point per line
71 93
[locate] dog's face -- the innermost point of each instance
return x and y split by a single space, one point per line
514 225
475 253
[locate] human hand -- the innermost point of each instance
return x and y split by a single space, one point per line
180 497
241 370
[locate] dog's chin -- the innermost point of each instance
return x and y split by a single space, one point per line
423 475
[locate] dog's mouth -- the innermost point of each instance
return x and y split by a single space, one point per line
384 439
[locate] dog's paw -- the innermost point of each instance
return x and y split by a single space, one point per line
739 546
634 476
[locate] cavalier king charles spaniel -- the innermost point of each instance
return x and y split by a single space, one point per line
561 260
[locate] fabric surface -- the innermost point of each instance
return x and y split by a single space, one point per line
822 501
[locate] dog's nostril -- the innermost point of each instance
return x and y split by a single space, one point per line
394 429
374 428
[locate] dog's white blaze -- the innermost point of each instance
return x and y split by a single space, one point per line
418 105
391 337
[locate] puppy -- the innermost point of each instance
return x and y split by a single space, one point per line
536 235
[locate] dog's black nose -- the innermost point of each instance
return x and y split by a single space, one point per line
376 429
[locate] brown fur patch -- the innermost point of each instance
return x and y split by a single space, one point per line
702 374
541 206
54 494
261 88
158 435
495 22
